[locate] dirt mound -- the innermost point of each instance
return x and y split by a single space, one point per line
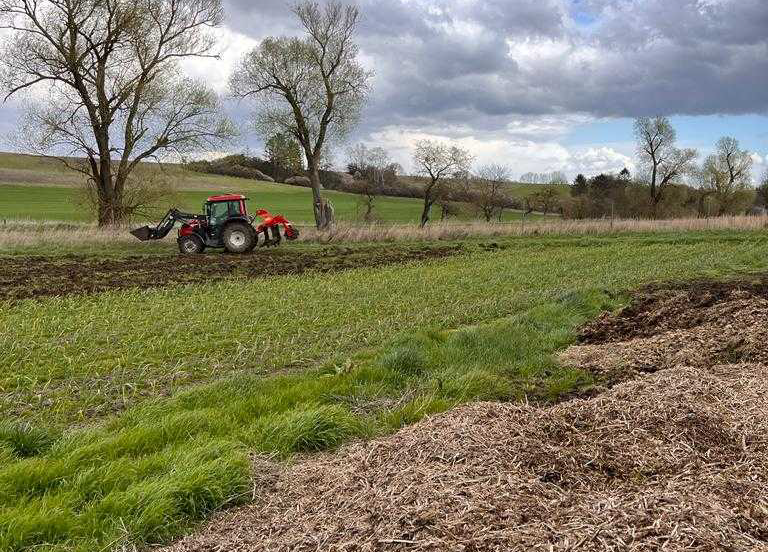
674 460
657 309
35 277
703 325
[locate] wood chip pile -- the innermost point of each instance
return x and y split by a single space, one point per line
674 460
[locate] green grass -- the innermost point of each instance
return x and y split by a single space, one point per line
41 203
20 161
293 365
167 463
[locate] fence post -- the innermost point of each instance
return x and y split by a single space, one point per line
612 214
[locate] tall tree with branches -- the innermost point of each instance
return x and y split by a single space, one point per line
374 167
489 192
311 87
726 172
439 163
108 84
659 156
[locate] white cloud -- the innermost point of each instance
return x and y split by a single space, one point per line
549 127
597 160
231 47
520 155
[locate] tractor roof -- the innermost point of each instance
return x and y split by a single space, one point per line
226 197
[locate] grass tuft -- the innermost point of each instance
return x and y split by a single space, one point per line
305 429
24 440
408 360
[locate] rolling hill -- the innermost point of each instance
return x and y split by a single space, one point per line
37 188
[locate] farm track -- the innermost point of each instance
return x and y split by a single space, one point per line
38 277
673 456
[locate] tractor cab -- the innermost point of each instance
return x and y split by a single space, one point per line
222 209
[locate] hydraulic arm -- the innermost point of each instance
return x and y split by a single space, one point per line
165 226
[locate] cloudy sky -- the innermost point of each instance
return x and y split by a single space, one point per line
541 85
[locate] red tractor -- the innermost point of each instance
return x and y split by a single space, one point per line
225 223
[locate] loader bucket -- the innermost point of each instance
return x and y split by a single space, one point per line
144 233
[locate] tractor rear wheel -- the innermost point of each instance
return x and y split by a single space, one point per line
238 237
191 245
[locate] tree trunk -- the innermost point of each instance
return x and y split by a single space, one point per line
108 207
425 212
654 192
323 213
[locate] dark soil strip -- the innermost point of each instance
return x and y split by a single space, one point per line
657 309
37 277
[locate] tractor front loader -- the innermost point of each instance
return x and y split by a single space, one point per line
224 224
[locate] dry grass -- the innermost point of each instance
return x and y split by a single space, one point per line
675 460
452 230
22 234
25 234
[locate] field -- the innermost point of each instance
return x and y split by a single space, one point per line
32 188
670 457
141 393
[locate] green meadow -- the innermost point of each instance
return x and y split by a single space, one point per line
129 416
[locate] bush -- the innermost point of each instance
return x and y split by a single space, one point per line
239 165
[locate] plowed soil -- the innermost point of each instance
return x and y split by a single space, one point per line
674 456
36 277
656 309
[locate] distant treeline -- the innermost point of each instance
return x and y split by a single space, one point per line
620 196
389 182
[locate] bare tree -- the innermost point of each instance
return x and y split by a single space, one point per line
439 163
726 173
558 177
489 190
547 200
762 189
312 88
374 165
109 86
659 156
357 158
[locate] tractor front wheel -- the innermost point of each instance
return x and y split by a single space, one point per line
190 245
238 237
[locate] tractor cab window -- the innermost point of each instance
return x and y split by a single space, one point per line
221 211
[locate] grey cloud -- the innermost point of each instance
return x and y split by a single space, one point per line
691 57
638 57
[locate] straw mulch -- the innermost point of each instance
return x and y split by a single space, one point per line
672 460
